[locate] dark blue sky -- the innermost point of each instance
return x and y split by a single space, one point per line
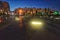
53 4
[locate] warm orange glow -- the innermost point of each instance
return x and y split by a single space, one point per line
21 21
0 20
21 18
20 11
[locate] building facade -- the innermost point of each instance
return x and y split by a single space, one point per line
33 11
4 7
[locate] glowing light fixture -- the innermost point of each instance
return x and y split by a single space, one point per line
36 23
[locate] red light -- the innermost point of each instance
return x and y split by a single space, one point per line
0 20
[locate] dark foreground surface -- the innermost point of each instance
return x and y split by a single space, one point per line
17 30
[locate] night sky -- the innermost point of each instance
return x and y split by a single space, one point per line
53 4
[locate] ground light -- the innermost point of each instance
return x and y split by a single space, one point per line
17 19
36 24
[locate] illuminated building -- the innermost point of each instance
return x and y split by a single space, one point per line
39 10
1 9
33 11
4 7
19 11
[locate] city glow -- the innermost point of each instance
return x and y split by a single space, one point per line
56 12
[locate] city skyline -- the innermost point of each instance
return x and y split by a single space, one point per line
31 3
